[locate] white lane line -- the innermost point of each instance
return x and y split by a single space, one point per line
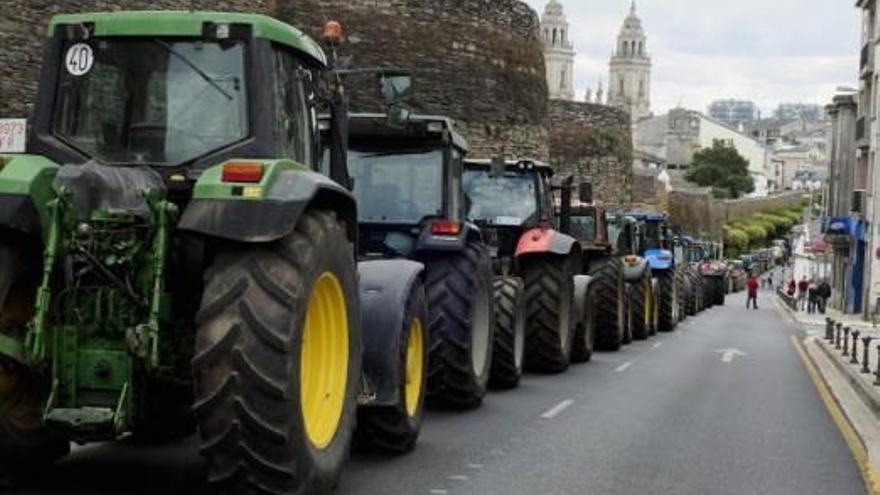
437 491
558 408
475 466
459 477
658 344
623 367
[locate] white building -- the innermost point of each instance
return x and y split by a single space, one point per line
678 135
558 52
629 83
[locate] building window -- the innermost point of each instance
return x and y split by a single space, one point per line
554 36
562 80
642 88
641 47
622 86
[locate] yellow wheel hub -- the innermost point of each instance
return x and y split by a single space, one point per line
649 305
324 361
415 358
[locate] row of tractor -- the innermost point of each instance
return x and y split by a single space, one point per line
202 237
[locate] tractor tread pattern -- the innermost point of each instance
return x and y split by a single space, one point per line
608 280
508 296
244 396
668 287
451 283
548 279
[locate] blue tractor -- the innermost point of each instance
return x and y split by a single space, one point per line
656 247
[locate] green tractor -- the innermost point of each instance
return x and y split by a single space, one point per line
408 182
173 257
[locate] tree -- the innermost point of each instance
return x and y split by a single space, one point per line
724 169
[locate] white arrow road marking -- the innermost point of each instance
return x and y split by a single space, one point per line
623 367
727 355
558 408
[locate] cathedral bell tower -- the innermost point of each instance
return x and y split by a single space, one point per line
629 84
558 52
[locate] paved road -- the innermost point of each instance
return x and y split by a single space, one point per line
665 416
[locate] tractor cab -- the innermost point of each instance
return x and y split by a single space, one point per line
506 198
656 240
406 177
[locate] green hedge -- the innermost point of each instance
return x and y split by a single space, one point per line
760 229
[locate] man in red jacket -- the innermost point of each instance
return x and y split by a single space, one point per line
752 286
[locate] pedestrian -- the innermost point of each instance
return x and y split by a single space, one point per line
752 286
791 288
824 292
803 286
770 280
812 298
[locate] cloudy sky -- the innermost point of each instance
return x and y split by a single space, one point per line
764 50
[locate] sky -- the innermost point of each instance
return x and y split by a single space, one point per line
767 51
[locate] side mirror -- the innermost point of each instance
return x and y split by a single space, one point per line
498 167
585 192
394 87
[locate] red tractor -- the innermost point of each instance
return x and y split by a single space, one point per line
538 298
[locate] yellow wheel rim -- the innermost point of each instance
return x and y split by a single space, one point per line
415 358
324 361
649 304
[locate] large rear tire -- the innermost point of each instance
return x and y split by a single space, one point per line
459 288
396 429
550 319
510 333
25 443
668 300
641 321
610 319
278 361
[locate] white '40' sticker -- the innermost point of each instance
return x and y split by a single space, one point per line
79 59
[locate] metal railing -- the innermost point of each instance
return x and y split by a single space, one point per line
848 341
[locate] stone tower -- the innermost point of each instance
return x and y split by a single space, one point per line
558 52
629 84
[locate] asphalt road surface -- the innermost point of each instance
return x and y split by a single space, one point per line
721 406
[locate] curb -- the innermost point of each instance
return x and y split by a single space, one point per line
870 397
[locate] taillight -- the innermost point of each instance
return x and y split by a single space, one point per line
248 173
445 227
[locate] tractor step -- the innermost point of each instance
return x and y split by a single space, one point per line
86 424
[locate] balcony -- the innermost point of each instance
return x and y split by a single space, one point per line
866 64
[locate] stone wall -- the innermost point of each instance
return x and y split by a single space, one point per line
594 142
700 214
479 62
23 31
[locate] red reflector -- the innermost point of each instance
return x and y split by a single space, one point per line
445 228
242 172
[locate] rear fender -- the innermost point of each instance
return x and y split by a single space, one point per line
428 242
385 288
545 241
265 211
634 271
25 190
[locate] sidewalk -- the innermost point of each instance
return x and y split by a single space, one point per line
848 320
